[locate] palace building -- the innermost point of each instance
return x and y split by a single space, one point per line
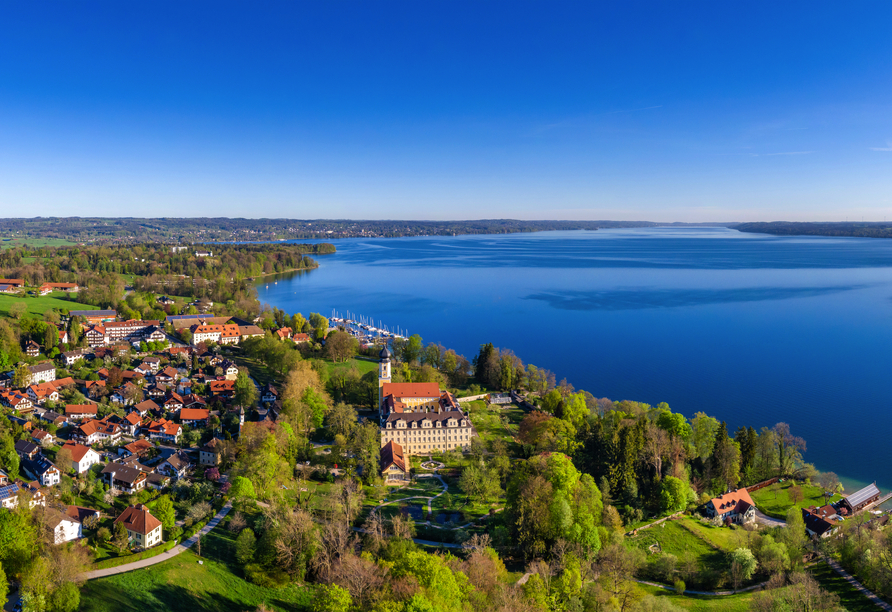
419 417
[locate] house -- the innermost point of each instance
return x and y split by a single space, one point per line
8 289
144 408
222 388
230 370
194 417
221 334
164 430
69 287
51 416
204 254
284 333
123 477
94 388
130 423
41 437
78 412
95 336
64 527
194 402
42 469
209 454
81 514
16 400
269 394
44 290
13 282
143 529
175 466
157 481
734 506
859 500
820 522
166 301
9 495
42 372
62 383
499 398
32 349
32 492
167 375
137 448
144 369
393 465
42 392
173 403
153 333
300 338
82 457
91 432
69 358
26 450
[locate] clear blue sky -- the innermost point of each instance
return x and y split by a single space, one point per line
692 111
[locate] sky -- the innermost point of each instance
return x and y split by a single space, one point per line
662 111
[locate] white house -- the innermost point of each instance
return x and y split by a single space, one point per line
82 457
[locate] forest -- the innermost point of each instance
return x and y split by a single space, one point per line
869 229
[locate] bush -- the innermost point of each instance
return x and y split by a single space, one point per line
680 586
256 574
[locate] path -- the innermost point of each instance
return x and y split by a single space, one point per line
860 587
129 567
705 593
430 499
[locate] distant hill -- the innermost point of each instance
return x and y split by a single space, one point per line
790 228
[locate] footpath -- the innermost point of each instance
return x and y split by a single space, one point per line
129 567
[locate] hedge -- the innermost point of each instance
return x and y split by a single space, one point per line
146 554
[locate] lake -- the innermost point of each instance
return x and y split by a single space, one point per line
752 329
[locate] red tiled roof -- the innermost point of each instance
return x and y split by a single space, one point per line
399 390
139 519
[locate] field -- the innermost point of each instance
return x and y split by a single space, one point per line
39 305
182 584
777 504
362 365
8 243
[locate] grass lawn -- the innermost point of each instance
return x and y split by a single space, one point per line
182 584
851 599
730 603
777 504
39 305
362 366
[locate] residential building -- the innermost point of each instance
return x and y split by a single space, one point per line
64 527
269 394
123 477
42 438
859 500
143 529
284 333
164 430
32 349
393 464
175 466
221 334
42 392
42 372
41 469
67 287
194 417
93 431
16 400
69 358
78 412
138 448
820 522
230 370
209 454
82 457
222 388
735 506
250 331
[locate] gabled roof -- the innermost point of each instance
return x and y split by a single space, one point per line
139 447
122 472
859 497
78 451
75 409
80 513
193 414
392 454
138 519
734 501
399 390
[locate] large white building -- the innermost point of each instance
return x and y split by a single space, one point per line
419 417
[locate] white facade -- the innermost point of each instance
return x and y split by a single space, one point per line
67 530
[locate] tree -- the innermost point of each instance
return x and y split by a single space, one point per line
4 585
332 598
17 309
120 539
22 376
242 488
704 429
340 346
164 512
673 494
245 390
829 483
743 566
789 449
342 419
656 446
245 544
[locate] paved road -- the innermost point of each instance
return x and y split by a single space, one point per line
129 567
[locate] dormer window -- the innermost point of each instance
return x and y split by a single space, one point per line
389 425
439 424
414 424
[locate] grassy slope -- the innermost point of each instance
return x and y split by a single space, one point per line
39 305
181 584
850 598
778 505
731 603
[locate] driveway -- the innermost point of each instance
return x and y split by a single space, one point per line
767 521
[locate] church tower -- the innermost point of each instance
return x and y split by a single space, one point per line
383 374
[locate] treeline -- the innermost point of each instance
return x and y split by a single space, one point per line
198 230
789 228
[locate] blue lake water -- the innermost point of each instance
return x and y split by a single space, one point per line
752 329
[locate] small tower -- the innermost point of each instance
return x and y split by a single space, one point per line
383 374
